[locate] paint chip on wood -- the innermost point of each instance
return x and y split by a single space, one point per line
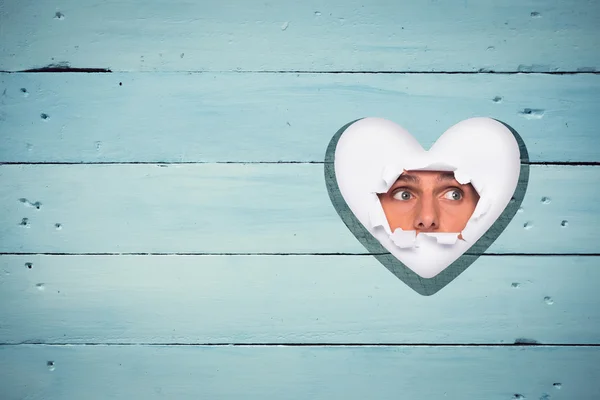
285 25
50 365
59 15
532 113
37 204
526 341
548 300
564 223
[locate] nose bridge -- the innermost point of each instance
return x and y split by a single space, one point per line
427 216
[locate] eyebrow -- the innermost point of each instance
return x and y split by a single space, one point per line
444 176
408 178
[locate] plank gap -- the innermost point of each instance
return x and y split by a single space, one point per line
58 69
176 344
559 163
293 254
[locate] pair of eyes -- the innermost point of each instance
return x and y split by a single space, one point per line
404 195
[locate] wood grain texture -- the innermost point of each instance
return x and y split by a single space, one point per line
234 88
180 35
292 299
162 117
197 372
244 208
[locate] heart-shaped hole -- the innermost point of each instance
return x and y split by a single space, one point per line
426 215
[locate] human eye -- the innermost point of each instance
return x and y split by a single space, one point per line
402 195
453 194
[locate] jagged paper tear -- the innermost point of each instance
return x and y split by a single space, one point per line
372 153
408 239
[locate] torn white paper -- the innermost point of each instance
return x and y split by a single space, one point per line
373 152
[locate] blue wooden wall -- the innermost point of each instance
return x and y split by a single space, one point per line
165 230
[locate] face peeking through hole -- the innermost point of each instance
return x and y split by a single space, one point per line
428 201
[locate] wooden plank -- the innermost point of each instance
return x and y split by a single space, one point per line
197 372
244 208
141 35
163 117
293 299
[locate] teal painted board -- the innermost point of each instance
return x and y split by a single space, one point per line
183 268
391 35
258 372
293 299
175 117
245 208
